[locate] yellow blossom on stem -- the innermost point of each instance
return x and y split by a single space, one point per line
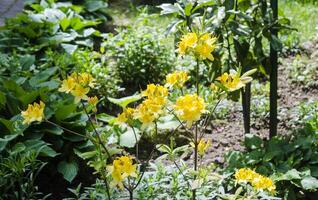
206 46
258 181
157 93
189 108
125 115
202 146
234 81
33 113
67 85
177 79
148 111
87 79
245 175
122 168
264 183
187 41
80 93
92 101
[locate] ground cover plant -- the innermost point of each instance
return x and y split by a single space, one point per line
149 104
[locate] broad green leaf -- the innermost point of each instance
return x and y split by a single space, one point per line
252 141
42 76
69 48
4 141
123 102
47 151
68 169
64 111
65 23
27 61
309 183
53 130
128 138
167 8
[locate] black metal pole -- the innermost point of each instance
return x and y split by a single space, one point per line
273 76
246 104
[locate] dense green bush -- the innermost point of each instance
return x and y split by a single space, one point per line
291 160
140 55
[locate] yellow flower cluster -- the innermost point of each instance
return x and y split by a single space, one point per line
176 79
234 81
151 108
79 85
33 113
202 146
258 181
125 115
122 168
189 108
202 46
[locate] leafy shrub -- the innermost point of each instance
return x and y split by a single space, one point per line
140 55
293 159
19 169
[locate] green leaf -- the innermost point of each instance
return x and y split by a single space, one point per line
3 99
65 23
69 48
292 174
4 141
309 183
47 151
128 138
167 8
53 130
168 125
64 111
94 5
105 117
69 169
253 141
276 43
27 61
42 76
123 102
187 9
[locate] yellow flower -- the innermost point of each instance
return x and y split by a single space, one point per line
92 101
234 81
122 168
148 111
67 85
156 92
125 115
80 93
214 87
87 79
117 177
264 183
188 40
245 175
189 108
206 46
33 113
177 79
258 181
127 166
202 146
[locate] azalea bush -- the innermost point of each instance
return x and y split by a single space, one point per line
156 112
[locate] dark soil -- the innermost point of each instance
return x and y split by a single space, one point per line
229 135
